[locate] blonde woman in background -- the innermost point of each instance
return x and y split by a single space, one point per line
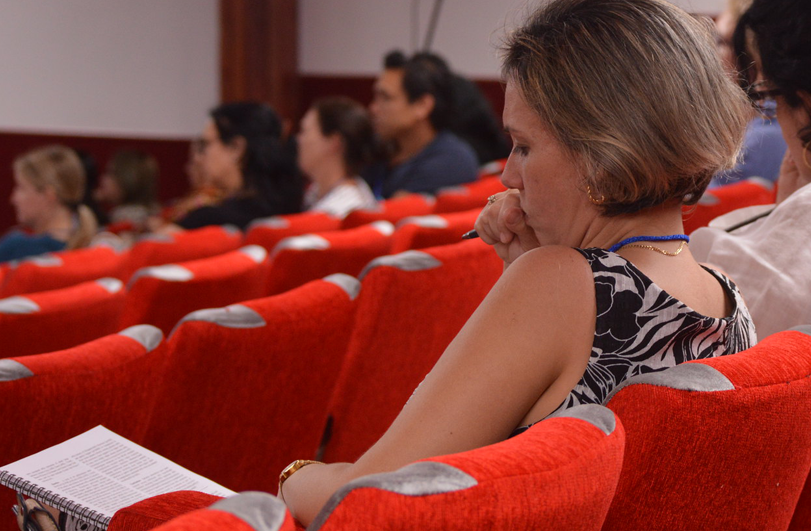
49 185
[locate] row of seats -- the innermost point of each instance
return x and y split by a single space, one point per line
714 444
58 270
238 392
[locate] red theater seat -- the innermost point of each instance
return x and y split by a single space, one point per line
558 475
248 385
162 295
250 511
48 398
270 231
391 210
721 443
60 270
61 318
420 232
410 308
467 196
719 201
300 259
181 247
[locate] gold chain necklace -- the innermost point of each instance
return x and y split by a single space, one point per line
658 249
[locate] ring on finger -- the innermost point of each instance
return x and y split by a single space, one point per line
491 199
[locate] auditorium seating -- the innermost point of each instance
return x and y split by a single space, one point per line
467 196
60 270
247 386
48 398
162 295
419 232
300 259
410 308
721 443
182 246
268 232
391 210
60 318
719 201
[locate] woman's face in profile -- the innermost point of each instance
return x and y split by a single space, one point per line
543 173
219 162
313 146
29 202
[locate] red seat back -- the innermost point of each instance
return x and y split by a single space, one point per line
182 246
270 231
420 232
721 443
719 201
61 318
391 210
247 386
48 398
162 295
468 196
300 259
558 475
410 308
60 270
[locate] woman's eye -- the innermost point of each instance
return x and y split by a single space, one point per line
520 150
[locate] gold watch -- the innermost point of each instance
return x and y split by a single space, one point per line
290 469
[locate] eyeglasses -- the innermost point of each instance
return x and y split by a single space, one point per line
764 100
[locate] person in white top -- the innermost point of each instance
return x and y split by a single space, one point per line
768 255
335 141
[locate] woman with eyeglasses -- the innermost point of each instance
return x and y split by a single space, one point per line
242 155
766 248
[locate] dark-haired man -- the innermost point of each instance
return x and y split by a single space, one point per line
411 111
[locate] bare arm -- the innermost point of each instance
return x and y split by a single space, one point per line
520 353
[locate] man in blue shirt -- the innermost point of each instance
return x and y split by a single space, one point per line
411 111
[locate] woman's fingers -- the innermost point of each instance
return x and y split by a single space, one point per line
490 224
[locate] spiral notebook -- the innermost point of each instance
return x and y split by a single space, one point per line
93 475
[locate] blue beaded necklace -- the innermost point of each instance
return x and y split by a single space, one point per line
633 239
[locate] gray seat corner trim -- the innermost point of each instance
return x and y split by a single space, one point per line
762 181
386 228
431 221
168 272
405 261
429 198
147 335
18 305
805 329
683 377
11 370
598 416
260 510
255 252
305 242
231 229
42 260
424 478
112 285
453 190
708 199
273 222
348 283
233 316
156 238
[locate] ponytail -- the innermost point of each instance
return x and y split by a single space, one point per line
86 229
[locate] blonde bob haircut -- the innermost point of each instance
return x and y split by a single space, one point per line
59 167
636 93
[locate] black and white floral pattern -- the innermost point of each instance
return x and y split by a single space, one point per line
640 328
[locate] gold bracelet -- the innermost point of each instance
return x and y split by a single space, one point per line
290 469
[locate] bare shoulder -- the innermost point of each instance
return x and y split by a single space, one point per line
552 270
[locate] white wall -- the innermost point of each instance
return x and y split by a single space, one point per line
143 68
349 37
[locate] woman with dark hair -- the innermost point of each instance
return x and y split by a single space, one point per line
766 247
242 155
335 142
620 113
129 188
